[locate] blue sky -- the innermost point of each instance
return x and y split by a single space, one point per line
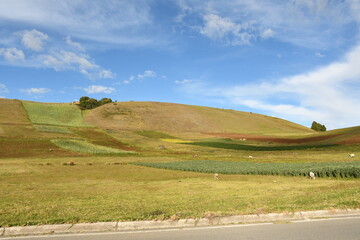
298 60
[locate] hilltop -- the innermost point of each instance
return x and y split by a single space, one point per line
170 117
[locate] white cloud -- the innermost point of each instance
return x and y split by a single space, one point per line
3 88
185 81
147 74
33 39
35 91
12 54
223 29
267 33
98 89
316 24
73 44
106 74
54 55
66 60
327 94
127 81
98 21
320 55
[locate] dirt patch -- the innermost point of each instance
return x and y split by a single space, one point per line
32 148
273 139
353 140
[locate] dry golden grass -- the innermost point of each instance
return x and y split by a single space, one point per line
168 117
35 191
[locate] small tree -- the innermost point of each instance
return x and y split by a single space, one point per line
318 127
90 103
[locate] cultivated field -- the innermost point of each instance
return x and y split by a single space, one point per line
108 164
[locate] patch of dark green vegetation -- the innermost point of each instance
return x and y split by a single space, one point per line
246 147
155 135
325 169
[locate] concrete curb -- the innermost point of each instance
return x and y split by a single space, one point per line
182 223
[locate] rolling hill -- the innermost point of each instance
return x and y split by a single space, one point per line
170 117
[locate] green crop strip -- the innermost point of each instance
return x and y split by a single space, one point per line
155 135
54 114
257 148
86 147
338 169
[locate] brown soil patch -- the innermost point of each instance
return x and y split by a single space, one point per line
272 139
353 140
32 148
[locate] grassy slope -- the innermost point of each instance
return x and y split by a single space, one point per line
14 121
168 117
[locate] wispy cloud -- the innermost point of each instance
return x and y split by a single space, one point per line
32 39
106 21
12 54
326 94
223 29
312 24
35 91
147 74
76 45
184 81
3 88
141 76
98 89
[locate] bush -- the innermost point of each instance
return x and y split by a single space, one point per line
90 103
318 127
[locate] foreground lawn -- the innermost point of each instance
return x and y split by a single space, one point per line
36 191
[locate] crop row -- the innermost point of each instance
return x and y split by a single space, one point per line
237 146
337 169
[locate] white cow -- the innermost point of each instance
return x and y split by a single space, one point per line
312 175
251 156
216 176
351 155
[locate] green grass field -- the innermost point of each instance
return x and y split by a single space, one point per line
44 191
82 146
54 114
54 168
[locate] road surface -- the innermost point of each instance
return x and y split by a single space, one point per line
330 229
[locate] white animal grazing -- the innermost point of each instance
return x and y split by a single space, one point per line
216 176
351 155
250 156
312 175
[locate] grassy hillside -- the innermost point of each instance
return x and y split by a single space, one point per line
168 117
54 168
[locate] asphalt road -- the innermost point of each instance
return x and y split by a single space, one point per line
330 229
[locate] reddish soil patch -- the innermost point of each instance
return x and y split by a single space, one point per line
353 140
32 148
272 139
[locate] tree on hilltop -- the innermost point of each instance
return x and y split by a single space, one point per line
90 103
318 127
